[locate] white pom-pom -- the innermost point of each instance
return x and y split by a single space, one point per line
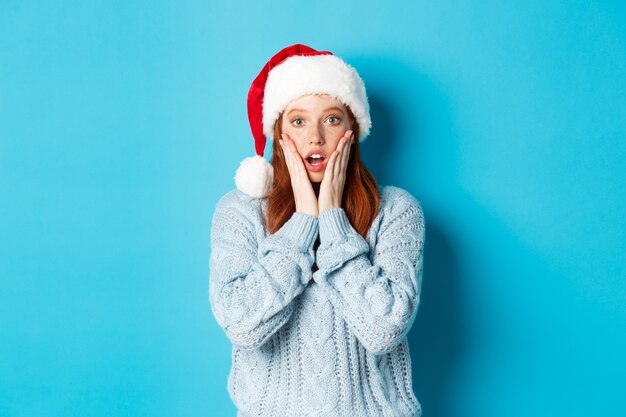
255 176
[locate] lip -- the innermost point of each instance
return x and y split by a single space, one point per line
315 168
319 151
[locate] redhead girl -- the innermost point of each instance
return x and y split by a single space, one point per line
315 270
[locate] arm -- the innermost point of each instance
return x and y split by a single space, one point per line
253 283
379 298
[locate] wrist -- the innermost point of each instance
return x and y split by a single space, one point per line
328 206
334 224
323 209
311 211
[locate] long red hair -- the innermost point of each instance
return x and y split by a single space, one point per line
360 193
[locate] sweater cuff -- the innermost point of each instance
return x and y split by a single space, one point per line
302 229
334 224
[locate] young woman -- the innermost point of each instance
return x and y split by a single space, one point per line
315 271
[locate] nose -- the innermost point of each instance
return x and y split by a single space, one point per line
315 135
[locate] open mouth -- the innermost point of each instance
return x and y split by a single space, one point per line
315 159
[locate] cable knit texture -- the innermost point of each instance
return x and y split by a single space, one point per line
325 343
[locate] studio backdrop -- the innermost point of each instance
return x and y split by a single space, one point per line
122 124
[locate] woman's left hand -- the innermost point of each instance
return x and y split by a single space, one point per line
331 188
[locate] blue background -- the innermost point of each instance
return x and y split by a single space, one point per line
122 123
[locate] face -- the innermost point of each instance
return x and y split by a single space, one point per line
315 123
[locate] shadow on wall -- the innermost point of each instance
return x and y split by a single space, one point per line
436 340
405 106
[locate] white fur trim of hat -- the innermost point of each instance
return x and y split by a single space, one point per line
315 74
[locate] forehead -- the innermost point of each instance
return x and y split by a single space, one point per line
315 102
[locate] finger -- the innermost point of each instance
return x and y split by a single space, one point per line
285 142
340 167
342 141
289 158
349 143
330 167
285 148
288 149
346 140
339 151
348 137
295 164
289 143
296 158
348 150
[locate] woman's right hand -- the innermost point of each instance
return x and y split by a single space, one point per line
303 193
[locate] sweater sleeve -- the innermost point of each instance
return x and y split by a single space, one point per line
253 283
378 298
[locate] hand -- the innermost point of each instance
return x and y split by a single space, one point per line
303 194
331 188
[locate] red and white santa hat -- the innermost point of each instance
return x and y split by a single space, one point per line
293 72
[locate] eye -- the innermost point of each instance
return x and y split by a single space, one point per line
297 122
333 120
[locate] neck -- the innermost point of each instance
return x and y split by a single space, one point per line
316 188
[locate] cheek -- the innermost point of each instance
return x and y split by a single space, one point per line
297 137
293 133
334 137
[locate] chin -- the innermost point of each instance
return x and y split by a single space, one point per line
317 177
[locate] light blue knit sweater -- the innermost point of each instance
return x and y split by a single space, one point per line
325 343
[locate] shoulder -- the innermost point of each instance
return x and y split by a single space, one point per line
236 198
396 200
238 204
401 217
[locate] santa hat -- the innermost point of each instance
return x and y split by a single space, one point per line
293 72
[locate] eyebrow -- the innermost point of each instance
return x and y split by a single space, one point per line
335 108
